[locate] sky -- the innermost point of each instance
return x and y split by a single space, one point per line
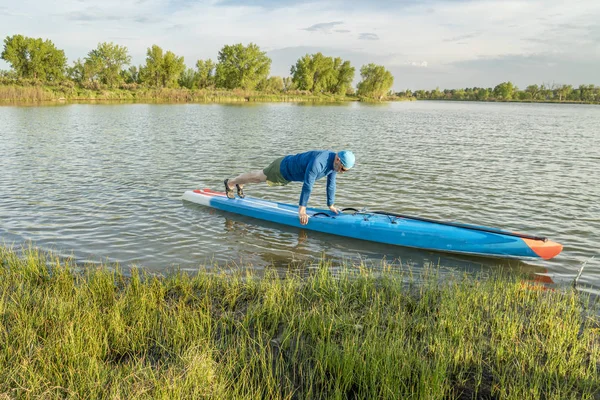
424 44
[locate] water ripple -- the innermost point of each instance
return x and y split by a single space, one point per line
104 182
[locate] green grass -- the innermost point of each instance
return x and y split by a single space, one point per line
64 92
96 333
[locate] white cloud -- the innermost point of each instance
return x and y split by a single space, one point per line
450 35
368 36
324 27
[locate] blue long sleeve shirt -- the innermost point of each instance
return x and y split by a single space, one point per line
308 167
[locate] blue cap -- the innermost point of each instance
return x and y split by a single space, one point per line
347 158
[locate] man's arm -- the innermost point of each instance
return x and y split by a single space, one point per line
310 176
331 189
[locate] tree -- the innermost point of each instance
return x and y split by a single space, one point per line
77 71
150 73
545 92
504 90
131 75
586 92
564 91
534 91
106 62
241 67
313 72
376 81
323 73
188 78
344 74
272 85
161 69
205 73
320 74
172 68
482 94
34 58
288 84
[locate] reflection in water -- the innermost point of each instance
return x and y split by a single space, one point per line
104 182
287 248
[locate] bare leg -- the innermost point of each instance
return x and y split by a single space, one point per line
257 176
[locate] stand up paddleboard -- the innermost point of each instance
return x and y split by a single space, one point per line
389 228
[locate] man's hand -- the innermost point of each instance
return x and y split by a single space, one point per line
302 216
334 209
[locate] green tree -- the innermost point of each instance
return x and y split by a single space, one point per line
205 73
302 75
314 73
34 58
534 91
320 74
77 72
459 94
106 62
188 78
564 91
272 85
241 66
151 72
288 84
161 69
504 91
172 67
343 76
586 92
376 81
545 92
131 75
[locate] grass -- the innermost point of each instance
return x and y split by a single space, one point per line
63 92
96 333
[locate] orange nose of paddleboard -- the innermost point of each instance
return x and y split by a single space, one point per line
545 250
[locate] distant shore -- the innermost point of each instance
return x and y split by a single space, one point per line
59 93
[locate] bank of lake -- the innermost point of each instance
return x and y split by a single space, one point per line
93 332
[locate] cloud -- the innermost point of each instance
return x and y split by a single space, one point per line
524 70
461 38
463 41
91 16
324 27
368 36
420 64
266 4
147 19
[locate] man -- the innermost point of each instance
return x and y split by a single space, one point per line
303 167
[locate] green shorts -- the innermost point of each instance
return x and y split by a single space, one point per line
273 173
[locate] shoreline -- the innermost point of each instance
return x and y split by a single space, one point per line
96 333
246 99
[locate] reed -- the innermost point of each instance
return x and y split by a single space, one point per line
68 92
25 93
96 333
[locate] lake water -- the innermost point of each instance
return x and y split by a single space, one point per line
103 182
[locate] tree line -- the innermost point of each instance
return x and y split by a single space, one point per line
237 67
507 91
